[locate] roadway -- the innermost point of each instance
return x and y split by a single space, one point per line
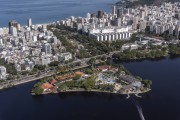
30 78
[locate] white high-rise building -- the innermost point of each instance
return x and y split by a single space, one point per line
135 22
18 27
142 25
47 48
120 12
44 26
29 22
1 41
34 38
142 14
13 31
72 18
113 10
1 31
88 15
118 22
146 10
177 30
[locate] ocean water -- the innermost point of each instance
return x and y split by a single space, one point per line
45 11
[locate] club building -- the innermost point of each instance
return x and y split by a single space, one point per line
110 34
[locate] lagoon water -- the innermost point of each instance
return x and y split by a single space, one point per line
162 103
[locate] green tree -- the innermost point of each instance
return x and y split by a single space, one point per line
89 83
77 77
92 61
103 58
37 90
40 67
147 83
62 88
89 71
54 63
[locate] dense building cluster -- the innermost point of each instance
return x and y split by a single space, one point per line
29 45
122 22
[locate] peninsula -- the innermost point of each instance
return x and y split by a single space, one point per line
97 78
38 51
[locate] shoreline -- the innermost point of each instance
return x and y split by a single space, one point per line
16 83
24 25
94 91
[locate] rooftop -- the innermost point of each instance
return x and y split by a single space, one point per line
46 86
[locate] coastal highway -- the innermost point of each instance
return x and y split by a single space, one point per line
50 73
31 78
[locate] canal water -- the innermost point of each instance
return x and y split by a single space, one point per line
162 103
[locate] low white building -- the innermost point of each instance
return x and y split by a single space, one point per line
130 46
45 60
64 56
111 36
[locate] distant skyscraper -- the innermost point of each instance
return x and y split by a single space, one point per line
146 10
113 10
29 22
1 32
128 11
171 30
142 25
44 26
72 18
19 27
88 15
93 15
142 14
80 20
177 30
100 14
1 41
27 35
13 31
119 12
13 23
158 29
47 48
135 22
118 22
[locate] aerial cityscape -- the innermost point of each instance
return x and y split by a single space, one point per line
94 53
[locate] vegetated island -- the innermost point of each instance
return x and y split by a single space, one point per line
101 78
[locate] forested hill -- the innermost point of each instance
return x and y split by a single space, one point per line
145 2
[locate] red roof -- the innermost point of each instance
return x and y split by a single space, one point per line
104 67
53 81
46 86
79 73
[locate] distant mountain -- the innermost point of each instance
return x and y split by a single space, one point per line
134 3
